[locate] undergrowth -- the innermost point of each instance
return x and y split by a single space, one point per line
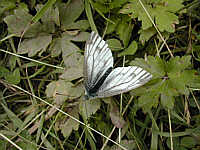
41 75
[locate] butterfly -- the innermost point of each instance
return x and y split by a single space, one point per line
100 79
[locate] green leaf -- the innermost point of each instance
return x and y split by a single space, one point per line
188 142
3 72
165 21
154 65
49 18
128 144
17 122
13 77
167 101
114 44
112 26
177 64
90 16
148 101
43 10
163 13
70 54
61 90
18 22
34 45
79 25
137 11
124 29
70 124
55 47
145 35
87 108
74 72
78 37
70 12
6 5
130 50
12 62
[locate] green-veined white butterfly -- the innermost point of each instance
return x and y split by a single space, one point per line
100 79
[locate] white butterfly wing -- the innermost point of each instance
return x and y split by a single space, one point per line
98 59
123 79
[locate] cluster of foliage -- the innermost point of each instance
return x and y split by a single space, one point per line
41 74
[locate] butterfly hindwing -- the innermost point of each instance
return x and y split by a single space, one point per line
98 59
123 79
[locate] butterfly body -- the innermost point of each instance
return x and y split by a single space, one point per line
101 80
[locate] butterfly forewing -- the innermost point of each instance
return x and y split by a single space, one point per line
123 79
98 59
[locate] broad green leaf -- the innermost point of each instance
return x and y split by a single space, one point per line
162 13
12 62
74 72
154 65
114 44
128 144
124 29
130 50
43 10
112 26
70 12
34 45
3 71
178 64
146 102
79 25
50 16
188 142
6 5
70 54
167 101
137 11
17 122
145 35
70 124
18 23
165 20
90 16
61 90
179 83
48 19
100 6
87 108
27 145
13 77
55 47
79 37
174 5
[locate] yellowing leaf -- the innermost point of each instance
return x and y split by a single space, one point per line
116 119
